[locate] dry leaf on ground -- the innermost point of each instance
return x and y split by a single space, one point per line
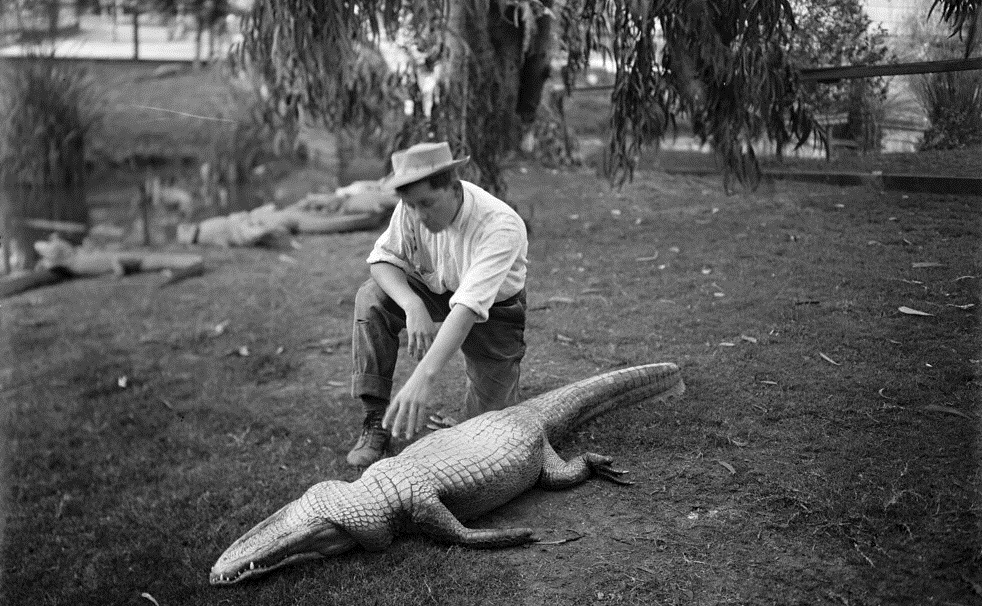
948 410
912 312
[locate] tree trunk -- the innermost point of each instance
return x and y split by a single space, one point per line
197 39
136 31
117 8
483 80
6 232
535 70
53 8
506 48
345 149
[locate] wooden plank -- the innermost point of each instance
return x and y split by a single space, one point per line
67 226
832 74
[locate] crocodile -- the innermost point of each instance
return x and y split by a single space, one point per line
453 474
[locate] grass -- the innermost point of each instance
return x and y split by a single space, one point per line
156 117
825 452
851 482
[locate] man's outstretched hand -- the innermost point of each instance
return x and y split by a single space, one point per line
405 414
407 410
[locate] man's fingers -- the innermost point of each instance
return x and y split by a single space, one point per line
390 413
419 345
418 419
411 419
400 418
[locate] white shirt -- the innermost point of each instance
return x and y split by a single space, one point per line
481 256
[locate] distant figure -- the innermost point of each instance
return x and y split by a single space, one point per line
453 253
179 25
428 73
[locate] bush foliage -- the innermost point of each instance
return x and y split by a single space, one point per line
46 113
953 102
840 33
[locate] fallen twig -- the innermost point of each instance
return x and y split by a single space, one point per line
561 541
948 410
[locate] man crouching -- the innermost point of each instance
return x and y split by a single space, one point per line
452 253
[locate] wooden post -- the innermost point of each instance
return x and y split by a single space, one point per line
199 20
5 233
142 209
136 30
53 8
147 201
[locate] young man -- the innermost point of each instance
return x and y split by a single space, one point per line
453 253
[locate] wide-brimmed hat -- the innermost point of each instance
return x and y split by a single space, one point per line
421 161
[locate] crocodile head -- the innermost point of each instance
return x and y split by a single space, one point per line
302 530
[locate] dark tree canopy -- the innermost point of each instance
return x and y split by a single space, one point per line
721 63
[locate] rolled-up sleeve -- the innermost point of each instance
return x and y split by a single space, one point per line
393 246
498 267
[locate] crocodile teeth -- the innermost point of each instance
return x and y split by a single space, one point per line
252 565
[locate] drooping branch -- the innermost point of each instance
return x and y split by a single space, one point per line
723 64
320 58
483 48
317 56
964 17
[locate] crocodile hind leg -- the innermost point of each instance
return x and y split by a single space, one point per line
434 519
558 474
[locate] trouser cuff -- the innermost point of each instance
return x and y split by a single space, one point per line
371 386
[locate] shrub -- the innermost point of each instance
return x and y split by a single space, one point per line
839 32
46 112
953 102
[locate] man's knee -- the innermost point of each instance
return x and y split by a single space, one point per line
491 392
369 296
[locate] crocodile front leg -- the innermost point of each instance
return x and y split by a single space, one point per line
558 474
433 518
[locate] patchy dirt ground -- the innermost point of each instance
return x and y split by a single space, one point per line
826 451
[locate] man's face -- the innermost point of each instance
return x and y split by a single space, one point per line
436 208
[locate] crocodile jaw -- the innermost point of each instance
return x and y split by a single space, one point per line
292 534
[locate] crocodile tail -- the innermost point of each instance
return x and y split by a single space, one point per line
564 408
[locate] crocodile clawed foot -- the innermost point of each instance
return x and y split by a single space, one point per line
501 537
602 466
526 536
613 475
437 421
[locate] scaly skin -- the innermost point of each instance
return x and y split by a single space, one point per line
450 475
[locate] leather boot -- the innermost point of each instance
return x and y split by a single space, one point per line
372 444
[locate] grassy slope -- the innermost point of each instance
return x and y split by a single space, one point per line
846 486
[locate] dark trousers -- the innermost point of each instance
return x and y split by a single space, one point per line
493 350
